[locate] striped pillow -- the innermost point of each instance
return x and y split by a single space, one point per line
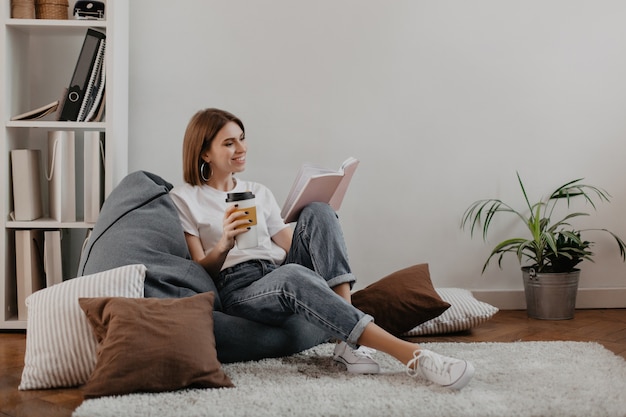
464 313
60 345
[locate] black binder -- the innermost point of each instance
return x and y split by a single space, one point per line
76 92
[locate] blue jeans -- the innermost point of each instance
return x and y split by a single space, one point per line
317 261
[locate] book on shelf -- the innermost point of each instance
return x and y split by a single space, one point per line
95 86
93 187
26 180
52 260
38 113
62 175
28 267
318 184
79 98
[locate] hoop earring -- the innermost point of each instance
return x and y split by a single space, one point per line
203 166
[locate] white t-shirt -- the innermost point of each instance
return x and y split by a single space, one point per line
201 210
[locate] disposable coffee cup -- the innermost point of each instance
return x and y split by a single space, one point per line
245 202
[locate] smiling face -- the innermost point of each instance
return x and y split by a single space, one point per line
227 153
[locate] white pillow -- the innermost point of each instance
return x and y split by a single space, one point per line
464 313
60 345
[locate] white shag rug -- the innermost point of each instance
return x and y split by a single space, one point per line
556 379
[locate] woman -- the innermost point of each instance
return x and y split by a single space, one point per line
301 271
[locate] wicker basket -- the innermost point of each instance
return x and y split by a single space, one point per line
52 9
23 9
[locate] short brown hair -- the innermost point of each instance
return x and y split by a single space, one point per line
199 135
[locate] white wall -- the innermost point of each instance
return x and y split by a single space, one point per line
442 101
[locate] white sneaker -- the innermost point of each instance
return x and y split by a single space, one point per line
442 370
357 361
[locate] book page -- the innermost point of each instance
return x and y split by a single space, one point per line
306 171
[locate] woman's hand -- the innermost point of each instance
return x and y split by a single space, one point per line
233 226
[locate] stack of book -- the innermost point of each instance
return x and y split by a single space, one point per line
84 99
84 96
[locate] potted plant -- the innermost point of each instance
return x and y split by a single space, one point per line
553 246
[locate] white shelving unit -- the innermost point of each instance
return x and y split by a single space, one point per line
37 57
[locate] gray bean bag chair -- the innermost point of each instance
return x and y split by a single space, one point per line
139 224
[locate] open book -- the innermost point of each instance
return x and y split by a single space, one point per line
38 113
317 184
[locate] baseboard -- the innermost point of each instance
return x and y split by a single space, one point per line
586 298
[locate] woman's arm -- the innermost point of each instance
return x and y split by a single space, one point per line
283 238
213 260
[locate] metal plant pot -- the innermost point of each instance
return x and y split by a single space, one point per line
550 296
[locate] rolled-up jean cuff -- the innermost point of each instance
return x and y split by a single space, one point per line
342 279
355 334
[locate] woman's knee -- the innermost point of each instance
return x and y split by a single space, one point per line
299 275
319 211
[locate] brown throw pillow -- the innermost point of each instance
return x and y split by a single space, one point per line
153 345
402 300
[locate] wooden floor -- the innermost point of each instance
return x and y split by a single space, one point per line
607 327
